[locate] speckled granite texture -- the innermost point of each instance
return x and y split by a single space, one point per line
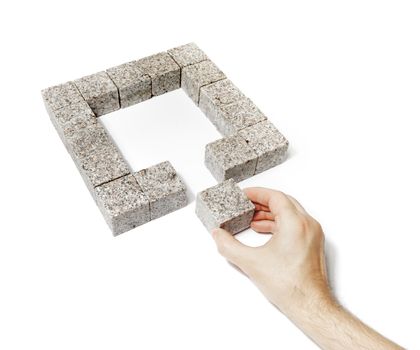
230 158
215 95
165 73
123 204
251 144
60 96
198 75
224 205
133 85
163 187
267 142
100 93
187 54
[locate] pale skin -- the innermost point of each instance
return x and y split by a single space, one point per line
290 271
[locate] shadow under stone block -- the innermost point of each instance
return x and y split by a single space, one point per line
100 93
230 158
123 204
267 142
163 187
226 206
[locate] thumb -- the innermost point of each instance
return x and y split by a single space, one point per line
230 248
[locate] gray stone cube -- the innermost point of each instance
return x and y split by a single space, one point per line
226 206
96 156
230 118
217 94
195 76
267 142
100 93
187 54
60 96
133 85
163 70
123 204
230 158
163 187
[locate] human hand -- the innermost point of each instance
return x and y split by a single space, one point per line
290 268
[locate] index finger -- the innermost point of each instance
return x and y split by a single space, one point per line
276 201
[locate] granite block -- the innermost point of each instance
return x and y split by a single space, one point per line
133 85
230 158
236 116
60 96
163 187
163 70
226 206
198 75
96 156
123 204
267 142
187 54
215 95
100 93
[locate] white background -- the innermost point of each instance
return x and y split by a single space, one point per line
340 79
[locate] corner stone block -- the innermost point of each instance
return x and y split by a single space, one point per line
230 158
226 206
100 93
187 54
267 142
133 85
215 95
236 116
60 96
123 204
198 75
163 70
163 187
96 156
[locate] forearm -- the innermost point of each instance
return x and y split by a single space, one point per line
330 326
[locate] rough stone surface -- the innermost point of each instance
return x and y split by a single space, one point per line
215 95
224 205
198 75
230 158
267 142
163 187
100 93
123 204
73 118
96 156
60 96
236 116
133 85
163 70
187 54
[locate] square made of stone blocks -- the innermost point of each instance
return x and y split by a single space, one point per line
197 75
226 206
133 85
123 204
163 70
215 95
96 156
100 93
62 95
267 142
187 54
237 115
230 158
163 187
